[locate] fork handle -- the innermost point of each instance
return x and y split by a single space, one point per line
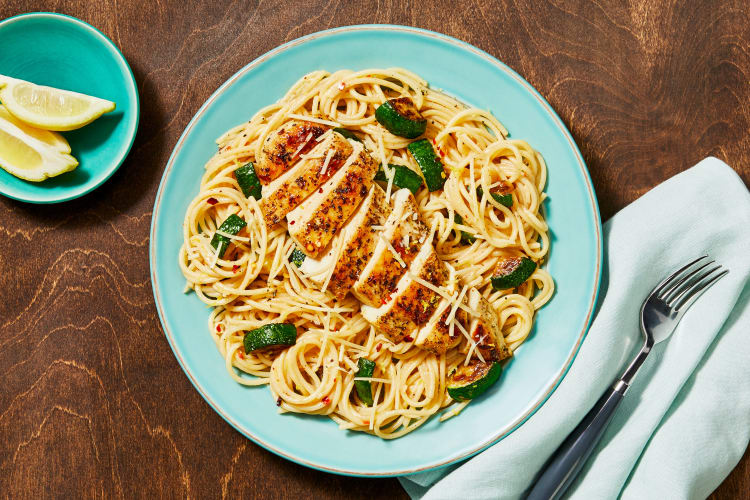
567 461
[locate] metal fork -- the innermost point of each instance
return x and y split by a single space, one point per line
660 313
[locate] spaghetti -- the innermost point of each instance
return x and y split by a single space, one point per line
254 283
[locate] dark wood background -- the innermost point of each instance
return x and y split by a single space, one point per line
92 402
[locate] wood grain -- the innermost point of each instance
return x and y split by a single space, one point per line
92 402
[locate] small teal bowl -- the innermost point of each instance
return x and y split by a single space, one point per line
64 52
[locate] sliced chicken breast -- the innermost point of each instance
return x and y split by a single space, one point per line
435 335
282 147
360 237
359 241
317 269
485 330
317 219
406 233
286 192
412 304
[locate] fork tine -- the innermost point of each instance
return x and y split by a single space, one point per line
687 284
657 291
674 288
698 290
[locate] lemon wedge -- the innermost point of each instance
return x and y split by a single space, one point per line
49 108
53 139
32 154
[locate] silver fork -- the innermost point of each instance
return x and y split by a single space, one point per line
660 313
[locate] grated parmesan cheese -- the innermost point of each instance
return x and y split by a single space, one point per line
473 345
329 155
314 120
372 379
396 255
216 255
442 293
302 146
232 236
455 305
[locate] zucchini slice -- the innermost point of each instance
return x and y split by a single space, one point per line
403 177
231 225
469 381
511 272
348 134
429 163
272 334
248 181
364 387
401 117
466 238
505 199
297 257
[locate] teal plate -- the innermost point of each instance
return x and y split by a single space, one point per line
476 78
64 52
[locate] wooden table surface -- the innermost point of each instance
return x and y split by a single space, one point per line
92 401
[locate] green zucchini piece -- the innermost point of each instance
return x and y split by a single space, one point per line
510 272
348 134
364 387
429 163
403 177
469 381
503 199
231 225
297 257
466 238
248 181
401 117
272 334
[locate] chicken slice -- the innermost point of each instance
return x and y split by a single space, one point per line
412 303
289 190
359 241
317 219
485 330
435 335
406 233
282 147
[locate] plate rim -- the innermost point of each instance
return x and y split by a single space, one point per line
130 83
593 204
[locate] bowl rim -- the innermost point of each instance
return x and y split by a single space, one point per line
131 88
593 203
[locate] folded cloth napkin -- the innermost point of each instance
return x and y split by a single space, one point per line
685 421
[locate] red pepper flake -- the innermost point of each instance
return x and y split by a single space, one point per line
278 401
212 201
218 329
367 422
378 347
241 355
320 190
433 141
235 268
442 153
341 85
291 222
408 339
326 400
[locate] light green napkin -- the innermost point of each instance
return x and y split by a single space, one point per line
685 422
